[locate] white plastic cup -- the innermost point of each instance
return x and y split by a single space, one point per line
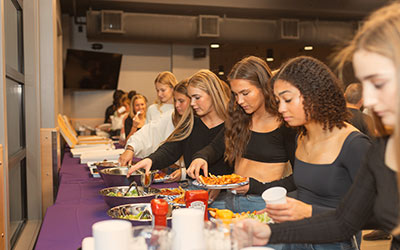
188 225
274 195
88 243
112 235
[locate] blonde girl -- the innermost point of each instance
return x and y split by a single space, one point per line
164 84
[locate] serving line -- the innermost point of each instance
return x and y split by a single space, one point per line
78 205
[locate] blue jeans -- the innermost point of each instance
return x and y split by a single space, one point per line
343 245
352 244
242 203
276 246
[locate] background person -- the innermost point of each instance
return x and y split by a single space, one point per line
151 135
114 106
164 84
137 115
354 102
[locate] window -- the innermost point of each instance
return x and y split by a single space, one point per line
15 117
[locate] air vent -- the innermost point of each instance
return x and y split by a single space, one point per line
208 26
290 29
111 21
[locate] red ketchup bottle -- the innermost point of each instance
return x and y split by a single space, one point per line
159 208
197 199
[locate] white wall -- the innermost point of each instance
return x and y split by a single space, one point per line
140 65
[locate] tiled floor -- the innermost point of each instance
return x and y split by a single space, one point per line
375 245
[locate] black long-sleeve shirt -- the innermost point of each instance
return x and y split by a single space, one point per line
324 185
201 136
372 202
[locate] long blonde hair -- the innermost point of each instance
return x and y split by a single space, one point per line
219 92
181 88
165 78
380 34
132 112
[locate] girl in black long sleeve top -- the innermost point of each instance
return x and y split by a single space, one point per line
209 96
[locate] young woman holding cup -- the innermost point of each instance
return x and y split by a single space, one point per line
373 200
329 150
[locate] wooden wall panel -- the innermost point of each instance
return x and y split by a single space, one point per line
2 203
50 158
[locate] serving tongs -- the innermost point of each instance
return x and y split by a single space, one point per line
145 212
140 193
145 179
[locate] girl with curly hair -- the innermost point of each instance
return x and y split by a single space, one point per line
373 200
255 141
329 150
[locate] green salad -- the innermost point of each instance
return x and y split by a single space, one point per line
135 217
132 193
263 218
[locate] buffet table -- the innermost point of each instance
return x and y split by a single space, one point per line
77 207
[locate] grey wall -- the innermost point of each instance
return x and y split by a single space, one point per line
141 63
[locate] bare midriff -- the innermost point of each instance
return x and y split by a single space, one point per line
262 171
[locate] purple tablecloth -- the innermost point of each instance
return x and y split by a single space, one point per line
77 207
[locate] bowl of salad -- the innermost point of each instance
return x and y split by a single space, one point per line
138 214
115 196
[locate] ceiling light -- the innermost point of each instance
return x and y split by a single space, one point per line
270 59
214 45
308 47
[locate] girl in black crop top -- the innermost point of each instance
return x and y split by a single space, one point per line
255 141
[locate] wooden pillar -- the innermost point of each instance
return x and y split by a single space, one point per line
50 158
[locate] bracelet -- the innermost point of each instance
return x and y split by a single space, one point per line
130 148
183 174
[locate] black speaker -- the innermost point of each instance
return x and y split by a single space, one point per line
199 52
270 53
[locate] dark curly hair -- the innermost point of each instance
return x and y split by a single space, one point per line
237 126
323 97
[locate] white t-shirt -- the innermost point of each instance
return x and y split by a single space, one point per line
147 139
153 113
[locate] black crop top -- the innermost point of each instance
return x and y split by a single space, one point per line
272 147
